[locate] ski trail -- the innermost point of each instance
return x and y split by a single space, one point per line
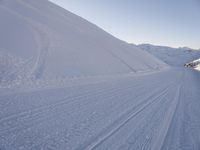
127 113
65 100
38 115
122 121
39 111
159 141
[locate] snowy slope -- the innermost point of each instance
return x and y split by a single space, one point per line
122 97
172 56
51 42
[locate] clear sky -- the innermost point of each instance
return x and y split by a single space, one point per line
173 23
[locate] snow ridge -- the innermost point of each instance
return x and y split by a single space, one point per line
172 56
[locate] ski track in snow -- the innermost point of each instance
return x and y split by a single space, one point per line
159 111
156 110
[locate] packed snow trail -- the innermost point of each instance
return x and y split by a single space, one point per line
158 111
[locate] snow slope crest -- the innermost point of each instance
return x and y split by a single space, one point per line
55 43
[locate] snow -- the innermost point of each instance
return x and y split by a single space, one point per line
172 56
141 112
66 84
194 64
198 68
57 43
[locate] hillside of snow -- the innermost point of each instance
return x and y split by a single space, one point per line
172 56
65 84
40 40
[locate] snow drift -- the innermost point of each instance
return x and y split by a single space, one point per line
51 42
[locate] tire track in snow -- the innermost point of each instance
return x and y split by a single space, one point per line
79 128
27 130
159 142
98 91
118 124
89 121
139 131
82 127
14 120
145 126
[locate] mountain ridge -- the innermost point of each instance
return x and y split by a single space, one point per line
172 56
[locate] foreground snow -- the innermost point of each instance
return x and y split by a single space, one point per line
155 111
72 86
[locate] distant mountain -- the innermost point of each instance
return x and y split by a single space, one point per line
44 41
172 56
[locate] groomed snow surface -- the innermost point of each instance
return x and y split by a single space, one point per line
159 111
66 84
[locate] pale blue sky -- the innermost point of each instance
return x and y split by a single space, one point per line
173 23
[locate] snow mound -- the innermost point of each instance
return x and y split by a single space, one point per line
172 56
55 43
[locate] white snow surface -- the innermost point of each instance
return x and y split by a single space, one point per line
54 43
158 111
172 56
198 68
79 88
